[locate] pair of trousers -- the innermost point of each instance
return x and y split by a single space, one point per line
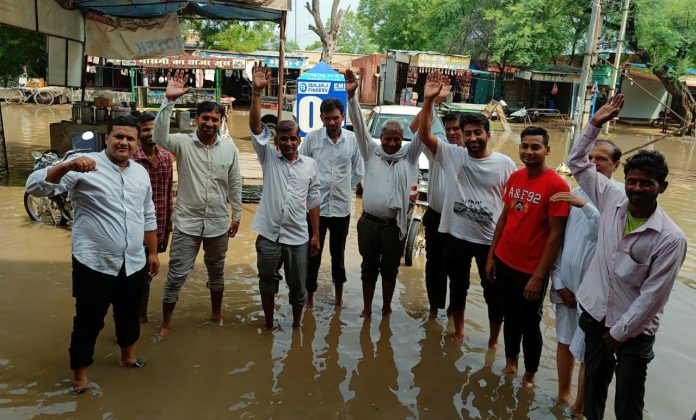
380 248
338 227
458 266
435 273
630 363
94 292
182 257
522 317
271 256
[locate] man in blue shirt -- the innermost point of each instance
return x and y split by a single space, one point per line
339 167
114 215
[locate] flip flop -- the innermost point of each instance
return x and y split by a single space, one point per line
137 364
78 391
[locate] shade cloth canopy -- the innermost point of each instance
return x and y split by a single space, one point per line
268 10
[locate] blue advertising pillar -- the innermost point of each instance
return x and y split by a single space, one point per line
318 83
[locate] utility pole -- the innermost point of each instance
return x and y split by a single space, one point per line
582 105
617 54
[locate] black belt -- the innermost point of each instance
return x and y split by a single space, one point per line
380 220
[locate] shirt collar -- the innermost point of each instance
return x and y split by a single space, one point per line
325 136
196 139
655 221
113 165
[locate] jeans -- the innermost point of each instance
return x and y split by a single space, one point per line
522 317
182 257
630 363
458 258
338 226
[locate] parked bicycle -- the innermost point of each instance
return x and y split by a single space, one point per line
56 209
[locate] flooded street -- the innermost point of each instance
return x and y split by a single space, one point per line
336 366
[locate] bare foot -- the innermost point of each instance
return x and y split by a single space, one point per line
458 337
310 301
577 409
528 380
386 311
562 401
510 367
433 313
216 321
366 313
163 331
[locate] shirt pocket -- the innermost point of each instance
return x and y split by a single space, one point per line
220 172
134 201
628 270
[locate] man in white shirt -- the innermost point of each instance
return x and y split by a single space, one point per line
382 226
290 191
114 216
475 180
209 179
340 166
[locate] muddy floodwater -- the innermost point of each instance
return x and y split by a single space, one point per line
337 366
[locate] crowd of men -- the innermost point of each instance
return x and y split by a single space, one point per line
608 250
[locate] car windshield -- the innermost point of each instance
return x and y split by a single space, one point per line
437 128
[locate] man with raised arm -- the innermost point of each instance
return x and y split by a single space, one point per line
209 179
290 191
527 238
435 273
340 166
569 270
640 251
114 216
475 178
384 222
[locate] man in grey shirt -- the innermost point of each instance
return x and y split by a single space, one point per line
114 215
290 190
209 178
384 222
340 167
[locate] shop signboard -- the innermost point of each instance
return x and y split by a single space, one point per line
440 61
319 83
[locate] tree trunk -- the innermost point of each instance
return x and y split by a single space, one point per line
328 38
683 101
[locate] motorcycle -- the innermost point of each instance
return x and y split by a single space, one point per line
415 238
664 120
55 209
520 115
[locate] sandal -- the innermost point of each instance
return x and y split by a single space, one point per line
137 364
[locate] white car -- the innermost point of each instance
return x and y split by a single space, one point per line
405 114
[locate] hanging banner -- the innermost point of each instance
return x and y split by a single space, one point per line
131 39
193 62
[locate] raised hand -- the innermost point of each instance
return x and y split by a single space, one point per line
569 198
176 85
609 111
433 85
351 83
446 89
259 77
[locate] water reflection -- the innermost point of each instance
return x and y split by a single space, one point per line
337 366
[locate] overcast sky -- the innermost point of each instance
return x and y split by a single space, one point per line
304 35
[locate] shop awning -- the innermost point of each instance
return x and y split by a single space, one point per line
269 10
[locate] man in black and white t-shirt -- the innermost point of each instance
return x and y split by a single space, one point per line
475 181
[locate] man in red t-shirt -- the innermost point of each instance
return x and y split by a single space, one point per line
527 237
